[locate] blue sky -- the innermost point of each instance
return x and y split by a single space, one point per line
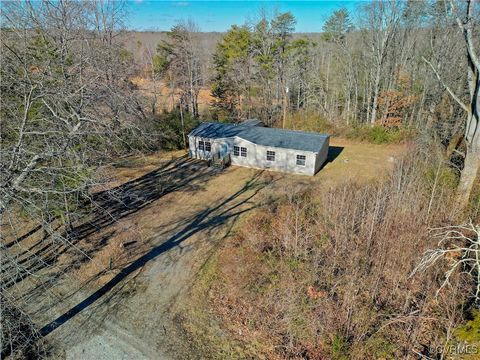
220 15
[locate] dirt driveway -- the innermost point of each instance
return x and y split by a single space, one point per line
124 313
174 214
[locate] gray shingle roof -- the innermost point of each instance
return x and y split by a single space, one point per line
288 139
216 130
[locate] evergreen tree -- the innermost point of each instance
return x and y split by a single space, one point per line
231 82
337 26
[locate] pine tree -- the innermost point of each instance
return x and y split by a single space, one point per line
337 26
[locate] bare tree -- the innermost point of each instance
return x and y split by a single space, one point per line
460 247
67 107
381 26
64 83
472 124
152 65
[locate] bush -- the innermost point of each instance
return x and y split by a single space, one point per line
470 331
474 206
306 121
379 134
19 339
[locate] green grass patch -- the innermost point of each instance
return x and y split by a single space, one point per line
339 348
470 332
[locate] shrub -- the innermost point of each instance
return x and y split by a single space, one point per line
339 348
306 121
475 200
379 134
310 266
18 335
310 121
470 331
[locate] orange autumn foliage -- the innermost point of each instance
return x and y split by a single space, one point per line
396 103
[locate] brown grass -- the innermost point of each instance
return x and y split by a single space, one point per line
329 275
107 255
164 93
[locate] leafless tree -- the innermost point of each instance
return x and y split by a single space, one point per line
67 107
460 247
466 24
382 21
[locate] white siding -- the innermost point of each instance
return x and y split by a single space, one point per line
285 159
195 152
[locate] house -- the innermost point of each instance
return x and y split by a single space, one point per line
252 145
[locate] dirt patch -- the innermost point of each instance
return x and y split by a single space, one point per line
130 297
179 230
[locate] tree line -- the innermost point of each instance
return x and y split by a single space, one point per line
396 65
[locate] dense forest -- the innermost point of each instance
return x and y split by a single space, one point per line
392 269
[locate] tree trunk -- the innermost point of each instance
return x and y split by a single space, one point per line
376 90
468 175
183 125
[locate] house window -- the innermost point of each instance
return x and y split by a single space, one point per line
239 151
201 145
208 146
243 151
301 160
270 155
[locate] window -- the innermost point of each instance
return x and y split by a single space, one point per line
239 151
270 155
208 146
301 160
201 145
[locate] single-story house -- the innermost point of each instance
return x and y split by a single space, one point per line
252 145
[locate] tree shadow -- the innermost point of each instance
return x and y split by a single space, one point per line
108 207
207 219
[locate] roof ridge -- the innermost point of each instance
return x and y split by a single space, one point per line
220 123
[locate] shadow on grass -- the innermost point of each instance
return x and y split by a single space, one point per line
108 207
208 219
